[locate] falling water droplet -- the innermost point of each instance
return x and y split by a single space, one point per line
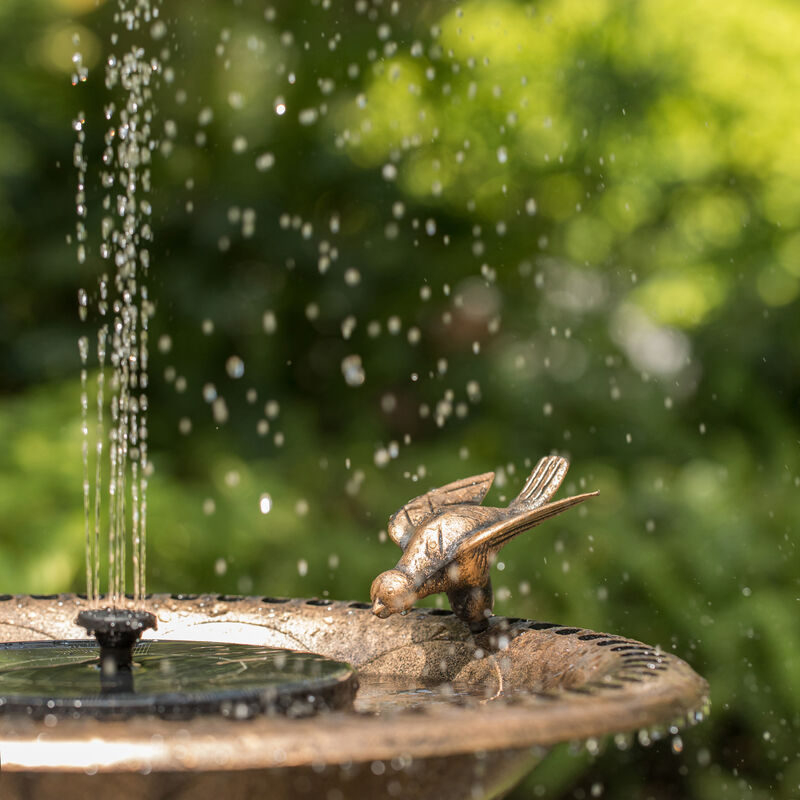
265 162
353 370
83 302
209 393
234 366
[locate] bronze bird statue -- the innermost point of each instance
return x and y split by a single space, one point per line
450 541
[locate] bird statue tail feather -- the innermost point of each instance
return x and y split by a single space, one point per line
542 483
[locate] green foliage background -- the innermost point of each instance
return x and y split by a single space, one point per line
603 200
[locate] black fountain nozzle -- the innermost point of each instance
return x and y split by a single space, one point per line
117 631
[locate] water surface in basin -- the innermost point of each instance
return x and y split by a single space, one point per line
170 678
396 693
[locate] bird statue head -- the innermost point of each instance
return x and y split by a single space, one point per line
392 592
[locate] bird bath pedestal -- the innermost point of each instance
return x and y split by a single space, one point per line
439 712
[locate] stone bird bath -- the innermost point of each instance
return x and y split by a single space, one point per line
439 712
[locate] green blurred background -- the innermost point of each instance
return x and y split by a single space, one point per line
568 225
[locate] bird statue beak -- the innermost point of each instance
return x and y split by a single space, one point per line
380 610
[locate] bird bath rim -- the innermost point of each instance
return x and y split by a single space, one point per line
545 683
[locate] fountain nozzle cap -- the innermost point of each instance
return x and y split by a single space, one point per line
116 629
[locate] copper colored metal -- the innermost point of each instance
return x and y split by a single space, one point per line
450 541
509 693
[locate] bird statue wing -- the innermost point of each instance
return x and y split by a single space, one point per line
469 491
542 483
492 537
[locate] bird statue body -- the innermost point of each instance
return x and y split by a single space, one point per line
450 541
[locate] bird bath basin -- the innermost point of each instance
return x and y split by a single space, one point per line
439 712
